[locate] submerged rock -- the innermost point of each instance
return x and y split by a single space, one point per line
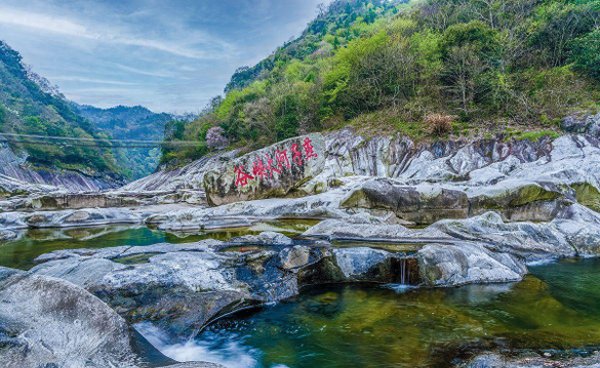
7 235
531 360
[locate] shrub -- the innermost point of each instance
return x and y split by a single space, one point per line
439 124
215 138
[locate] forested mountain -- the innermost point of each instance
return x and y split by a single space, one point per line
135 122
29 104
429 69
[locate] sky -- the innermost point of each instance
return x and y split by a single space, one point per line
167 55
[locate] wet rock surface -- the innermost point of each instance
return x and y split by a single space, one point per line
531 360
182 288
51 322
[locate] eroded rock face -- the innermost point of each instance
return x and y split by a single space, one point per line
180 288
452 265
50 321
16 177
421 205
270 172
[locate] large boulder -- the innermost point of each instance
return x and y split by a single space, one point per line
458 264
270 172
420 204
48 322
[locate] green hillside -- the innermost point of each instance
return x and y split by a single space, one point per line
429 69
130 122
30 105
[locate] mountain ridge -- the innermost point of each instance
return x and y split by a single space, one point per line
30 105
431 70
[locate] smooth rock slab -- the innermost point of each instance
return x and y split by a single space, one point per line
52 321
419 204
270 172
452 265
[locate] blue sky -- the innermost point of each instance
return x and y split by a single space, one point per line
169 55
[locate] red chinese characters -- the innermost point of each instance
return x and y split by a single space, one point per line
309 150
241 176
258 169
275 163
297 155
270 168
282 159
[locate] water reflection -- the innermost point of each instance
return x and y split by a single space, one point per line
346 326
20 253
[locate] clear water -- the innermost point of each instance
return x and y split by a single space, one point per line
21 253
556 307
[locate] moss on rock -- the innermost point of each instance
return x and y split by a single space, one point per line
587 195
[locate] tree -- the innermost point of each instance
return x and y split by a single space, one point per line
463 68
585 54
469 50
215 138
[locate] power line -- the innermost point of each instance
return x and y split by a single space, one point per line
114 143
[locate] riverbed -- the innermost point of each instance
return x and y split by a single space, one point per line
553 311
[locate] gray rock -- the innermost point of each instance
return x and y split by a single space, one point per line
270 172
451 265
83 272
294 257
183 287
350 228
195 365
55 322
422 204
589 124
7 235
533 360
357 263
16 177
264 238
533 242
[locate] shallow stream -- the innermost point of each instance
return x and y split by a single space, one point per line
554 310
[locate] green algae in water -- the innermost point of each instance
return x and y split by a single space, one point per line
349 326
21 253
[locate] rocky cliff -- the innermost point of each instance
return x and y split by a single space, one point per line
18 177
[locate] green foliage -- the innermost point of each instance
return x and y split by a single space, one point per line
27 107
585 54
383 66
532 136
130 122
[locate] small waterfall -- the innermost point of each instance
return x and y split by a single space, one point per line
403 276
406 273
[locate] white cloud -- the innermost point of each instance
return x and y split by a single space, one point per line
91 80
73 29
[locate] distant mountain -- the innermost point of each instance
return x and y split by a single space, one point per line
30 105
131 122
